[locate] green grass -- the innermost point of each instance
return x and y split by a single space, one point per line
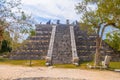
40 63
81 66
114 65
6 61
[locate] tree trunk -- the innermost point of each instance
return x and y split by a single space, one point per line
97 54
0 44
30 60
1 37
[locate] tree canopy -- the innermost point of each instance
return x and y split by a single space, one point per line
106 12
13 20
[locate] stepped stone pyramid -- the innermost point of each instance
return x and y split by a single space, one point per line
60 44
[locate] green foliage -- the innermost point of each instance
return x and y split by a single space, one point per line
23 16
13 20
114 65
22 62
32 32
110 11
107 12
5 47
114 40
5 61
83 65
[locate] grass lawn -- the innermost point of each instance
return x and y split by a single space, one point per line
82 65
114 65
5 61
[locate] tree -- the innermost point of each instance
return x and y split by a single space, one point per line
5 47
99 18
114 40
6 43
13 19
32 32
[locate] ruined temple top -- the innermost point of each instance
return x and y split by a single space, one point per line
58 22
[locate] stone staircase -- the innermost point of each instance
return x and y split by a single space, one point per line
62 53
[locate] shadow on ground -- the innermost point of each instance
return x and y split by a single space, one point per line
47 78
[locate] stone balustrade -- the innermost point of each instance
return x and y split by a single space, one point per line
50 49
75 57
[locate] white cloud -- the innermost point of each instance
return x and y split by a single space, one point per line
51 9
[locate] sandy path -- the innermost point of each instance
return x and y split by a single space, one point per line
13 72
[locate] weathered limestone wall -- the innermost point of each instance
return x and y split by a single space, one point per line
35 47
86 46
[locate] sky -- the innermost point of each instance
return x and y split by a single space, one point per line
44 10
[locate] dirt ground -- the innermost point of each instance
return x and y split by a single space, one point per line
8 72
